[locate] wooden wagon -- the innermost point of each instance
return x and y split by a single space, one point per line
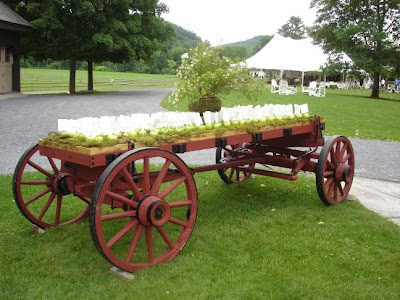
142 201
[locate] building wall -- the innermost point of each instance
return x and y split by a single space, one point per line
9 61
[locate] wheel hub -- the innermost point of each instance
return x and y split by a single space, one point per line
62 184
343 172
152 211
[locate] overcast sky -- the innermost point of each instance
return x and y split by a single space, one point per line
227 21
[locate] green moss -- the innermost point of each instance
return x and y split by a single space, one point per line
169 135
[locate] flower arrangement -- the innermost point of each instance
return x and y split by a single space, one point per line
168 127
205 73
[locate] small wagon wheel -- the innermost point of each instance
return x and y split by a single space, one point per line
41 191
143 209
335 170
230 153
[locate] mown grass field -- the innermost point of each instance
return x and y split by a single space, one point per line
347 112
33 80
265 239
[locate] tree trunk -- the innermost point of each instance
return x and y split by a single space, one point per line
90 76
72 74
375 87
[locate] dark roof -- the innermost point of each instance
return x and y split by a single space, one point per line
11 20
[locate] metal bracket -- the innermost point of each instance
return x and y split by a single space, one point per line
179 148
257 137
287 132
111 157
221 143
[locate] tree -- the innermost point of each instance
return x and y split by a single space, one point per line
294 28
265 39
235 52
95 30
368 31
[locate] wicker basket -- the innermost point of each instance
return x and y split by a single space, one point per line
206 103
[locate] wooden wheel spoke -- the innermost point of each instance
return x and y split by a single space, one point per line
335 191
340 189
333 156
122 199
328 182
165 237
127 227
58 211
231 174
178 222
146 175
37 196
347 157
134 242
328 174
180 203
47 205
83 199
156 185
337 151
171 187
53 165
125 214
138 195
331 190
35 182
330 165
342 152
149 243
39 168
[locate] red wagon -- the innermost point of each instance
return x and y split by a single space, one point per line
142 201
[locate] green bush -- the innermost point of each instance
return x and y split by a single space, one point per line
100 68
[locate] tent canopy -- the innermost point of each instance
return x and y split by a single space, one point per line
283 53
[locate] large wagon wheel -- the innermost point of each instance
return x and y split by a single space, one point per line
335 170
143 209
231 153
41 191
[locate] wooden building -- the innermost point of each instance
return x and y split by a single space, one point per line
11 27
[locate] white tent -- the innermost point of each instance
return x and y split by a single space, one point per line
287 54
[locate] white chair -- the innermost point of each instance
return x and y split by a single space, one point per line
284 89
274 86
312 87
321 90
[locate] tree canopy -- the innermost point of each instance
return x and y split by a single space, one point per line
294 28
368 31
95 30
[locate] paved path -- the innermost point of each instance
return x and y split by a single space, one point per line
24 119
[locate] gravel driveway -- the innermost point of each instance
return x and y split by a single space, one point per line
27 118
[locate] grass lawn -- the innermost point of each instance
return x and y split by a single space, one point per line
347 112
58 80
267 239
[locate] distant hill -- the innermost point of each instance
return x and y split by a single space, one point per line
249 44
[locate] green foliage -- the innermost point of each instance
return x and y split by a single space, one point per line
100 68
267 238
236 53
347 112
368 31
204 71
294 28
264 40
95 30
252 45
